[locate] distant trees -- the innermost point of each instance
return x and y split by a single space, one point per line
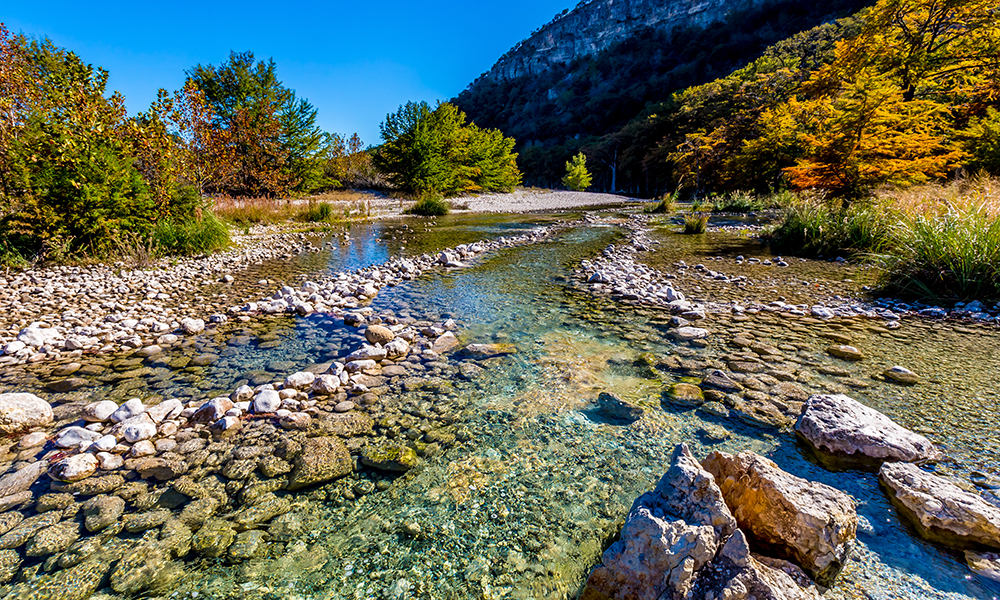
577 177
272 133
427 151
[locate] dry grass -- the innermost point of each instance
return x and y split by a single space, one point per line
973 194
330 207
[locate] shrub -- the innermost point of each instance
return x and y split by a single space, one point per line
429 206
666 205
577 176
694 224
190 237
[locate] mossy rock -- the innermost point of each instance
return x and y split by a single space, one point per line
389 457
686 394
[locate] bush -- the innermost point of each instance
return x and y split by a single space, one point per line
429 206
577 176
694 224
190 237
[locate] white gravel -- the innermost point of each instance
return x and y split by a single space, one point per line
533 200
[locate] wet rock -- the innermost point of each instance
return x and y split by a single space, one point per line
144 521
10 564
76 583
102 511
720 380
901 375
175 538
53 539
10 520
488 350
22 479
213 538
614 408
67 385
141 567
397 348
325 385
32 440
670 534
27 528
387 456
248 544
162 469
168 409
940 510
74 468
296 421
811 524
272 466
377 334
263 510
16 500
845 352
212 411
20 411
984 564
686 394
322 459
197 512
844 432
56 501
686 334
349 424
91 486
138 428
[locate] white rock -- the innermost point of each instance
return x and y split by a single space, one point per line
168 409
36 336
326 385
106 443
138 428
19 411
14 347
128 410
98 412
267 401
300 380
142 448
367 352
73 437
192 326
397 348
109 461
32 440
74 468
242 394
361 365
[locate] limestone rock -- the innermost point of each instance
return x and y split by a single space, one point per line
686 394
686 334
19 411
322 459
940 510
901 375
846 432
99 412
378 334
488 350
102 511
984 564
300 381
267 401
810 524
445 342
845 352
214 538
669 535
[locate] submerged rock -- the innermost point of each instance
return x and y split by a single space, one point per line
686 394
811 524
322 459
940 510
901 375
611 407
845 352
844 432
389 457
378 334
214 538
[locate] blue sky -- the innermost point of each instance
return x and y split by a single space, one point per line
355 61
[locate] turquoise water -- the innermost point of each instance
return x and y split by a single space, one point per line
522 504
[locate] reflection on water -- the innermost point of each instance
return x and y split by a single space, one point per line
525 506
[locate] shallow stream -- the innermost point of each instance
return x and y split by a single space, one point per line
523 504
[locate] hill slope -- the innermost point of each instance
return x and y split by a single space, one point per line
591 71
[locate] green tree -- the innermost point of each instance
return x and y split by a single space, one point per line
428 151
982 143
577 177
276 142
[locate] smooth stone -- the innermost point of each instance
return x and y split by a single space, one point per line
378 334
98 412
686 394
940 510
387 456
686 334
845 352
844 432
74 468
128 410
73 437
20 411
267 401
614 408
300 381
322 459
102 511
901 375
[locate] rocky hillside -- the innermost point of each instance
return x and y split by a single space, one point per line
594 70
596 25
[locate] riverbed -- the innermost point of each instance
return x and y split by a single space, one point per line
520 483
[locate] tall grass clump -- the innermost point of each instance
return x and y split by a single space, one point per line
695 223
320 212
430 206
666 206
745 202
947 250
818 227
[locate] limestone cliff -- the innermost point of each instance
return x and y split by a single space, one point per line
597 24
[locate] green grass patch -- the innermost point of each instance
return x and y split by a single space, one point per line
188 238
694 224
430 206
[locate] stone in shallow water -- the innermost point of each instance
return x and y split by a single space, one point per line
214 538
102 511
901 375
845 352
984 564
387 456
844 432
74 468
686 334
248 544
811 524
53 539
322 459
378 334
611 407
940 510
685 394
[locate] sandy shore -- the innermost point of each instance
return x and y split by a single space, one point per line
531 201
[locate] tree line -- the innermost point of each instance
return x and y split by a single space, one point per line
80 177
